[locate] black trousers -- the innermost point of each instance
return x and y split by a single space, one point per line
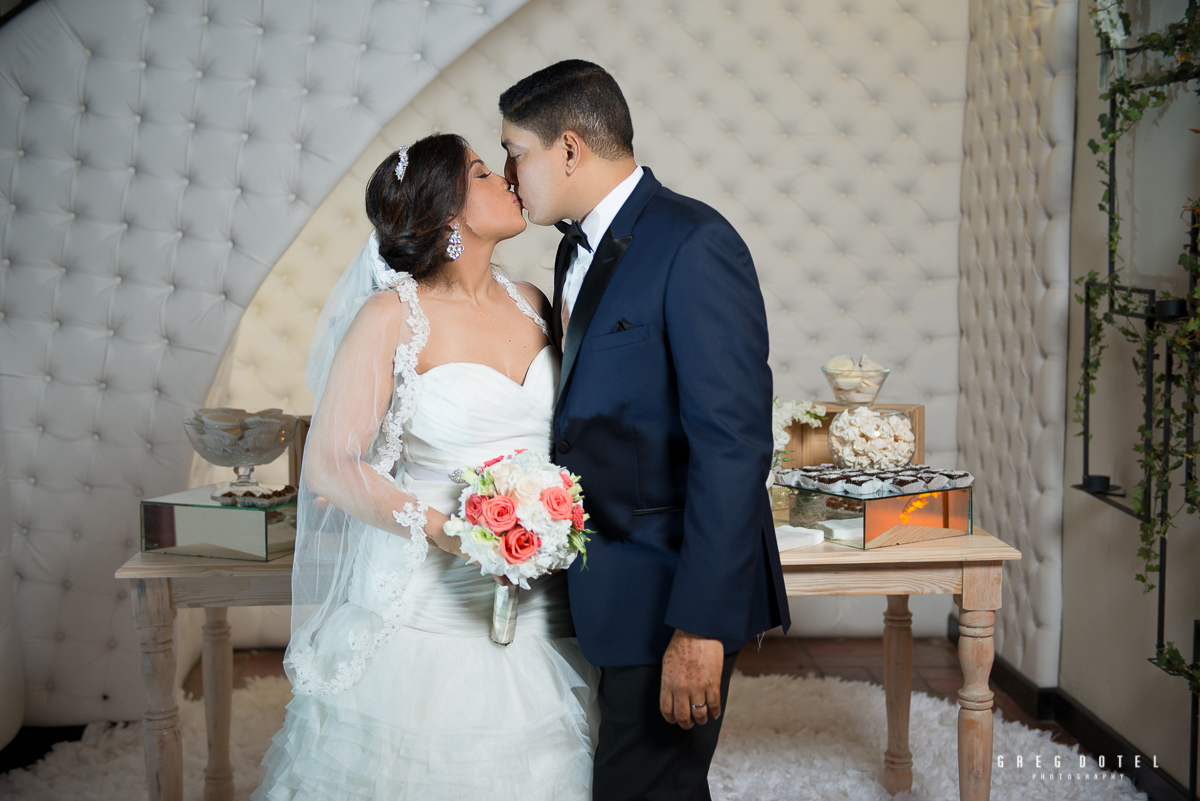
641 757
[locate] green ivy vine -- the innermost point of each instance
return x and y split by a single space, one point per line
1165 59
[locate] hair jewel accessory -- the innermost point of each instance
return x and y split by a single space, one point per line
402 165
455 248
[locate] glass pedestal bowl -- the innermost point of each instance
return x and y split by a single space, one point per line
243 440
855 387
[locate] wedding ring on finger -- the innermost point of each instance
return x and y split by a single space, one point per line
699 706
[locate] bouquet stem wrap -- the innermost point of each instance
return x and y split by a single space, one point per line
504 614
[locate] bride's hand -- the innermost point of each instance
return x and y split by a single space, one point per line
435 522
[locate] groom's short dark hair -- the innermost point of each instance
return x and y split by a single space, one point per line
577 96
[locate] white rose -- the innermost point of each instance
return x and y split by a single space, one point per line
502 476
527 489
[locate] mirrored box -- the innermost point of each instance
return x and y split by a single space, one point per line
190 523
886 517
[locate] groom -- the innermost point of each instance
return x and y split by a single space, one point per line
664 409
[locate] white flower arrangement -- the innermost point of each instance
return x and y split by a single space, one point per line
1110 29
786 414
520 517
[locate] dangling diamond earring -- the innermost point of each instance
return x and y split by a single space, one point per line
455 248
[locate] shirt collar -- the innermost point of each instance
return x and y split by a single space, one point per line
601 217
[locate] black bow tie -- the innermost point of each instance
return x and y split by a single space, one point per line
574 234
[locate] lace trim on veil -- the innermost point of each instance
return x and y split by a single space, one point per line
389 585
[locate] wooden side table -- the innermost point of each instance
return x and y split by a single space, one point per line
968 567
161 584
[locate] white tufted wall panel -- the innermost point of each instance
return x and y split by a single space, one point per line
830 134
155 161
12 673
1014 253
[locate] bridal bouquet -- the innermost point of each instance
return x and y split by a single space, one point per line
521 517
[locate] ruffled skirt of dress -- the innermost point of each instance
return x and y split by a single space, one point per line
440 711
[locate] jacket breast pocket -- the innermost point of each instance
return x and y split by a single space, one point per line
619 339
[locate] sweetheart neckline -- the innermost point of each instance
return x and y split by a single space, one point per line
505 376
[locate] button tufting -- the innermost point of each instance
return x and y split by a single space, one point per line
205 19
122 593
112 644
58 635
47 378
96 437
77 535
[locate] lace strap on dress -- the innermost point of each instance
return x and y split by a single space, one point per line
520 300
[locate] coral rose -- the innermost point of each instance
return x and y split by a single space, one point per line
567 480
498 513
577 516
473 508
558 503
519 544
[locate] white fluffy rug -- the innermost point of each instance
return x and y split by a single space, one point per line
783 738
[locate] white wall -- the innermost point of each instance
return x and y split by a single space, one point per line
1108 623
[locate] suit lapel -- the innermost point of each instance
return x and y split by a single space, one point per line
604 263
608 256
561 260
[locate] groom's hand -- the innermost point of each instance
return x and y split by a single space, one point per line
691 680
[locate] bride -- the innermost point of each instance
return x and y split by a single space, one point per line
426 359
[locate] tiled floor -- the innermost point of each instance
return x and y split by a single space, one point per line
935 668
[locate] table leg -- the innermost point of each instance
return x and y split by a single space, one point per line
216 665
155 620
975 652
897 690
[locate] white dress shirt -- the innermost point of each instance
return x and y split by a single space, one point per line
594 225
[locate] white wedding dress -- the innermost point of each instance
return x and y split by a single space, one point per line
439 711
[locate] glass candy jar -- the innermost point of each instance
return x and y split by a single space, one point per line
866 438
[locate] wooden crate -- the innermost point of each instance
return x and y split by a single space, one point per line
811 445
296 449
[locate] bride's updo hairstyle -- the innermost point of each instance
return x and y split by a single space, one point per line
412 217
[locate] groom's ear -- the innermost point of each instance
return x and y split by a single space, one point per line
572 147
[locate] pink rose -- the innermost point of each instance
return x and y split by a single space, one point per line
474 507
577 516
566 479
558 503
519 544
498 514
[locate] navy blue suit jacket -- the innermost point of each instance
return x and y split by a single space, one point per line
664 410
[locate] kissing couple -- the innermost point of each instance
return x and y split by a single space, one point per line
647 376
